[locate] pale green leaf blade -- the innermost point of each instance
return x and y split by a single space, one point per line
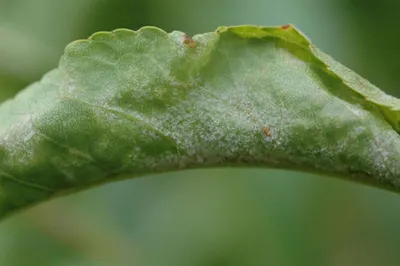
125 104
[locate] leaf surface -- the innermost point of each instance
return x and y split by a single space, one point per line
126 104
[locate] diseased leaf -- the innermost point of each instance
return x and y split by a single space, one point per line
125 104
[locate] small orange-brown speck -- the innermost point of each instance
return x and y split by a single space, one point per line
285 27
267 131
189 41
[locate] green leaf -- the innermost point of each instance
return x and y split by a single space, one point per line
125 104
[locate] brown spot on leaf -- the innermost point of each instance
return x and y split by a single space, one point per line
285 27
189 41
267 131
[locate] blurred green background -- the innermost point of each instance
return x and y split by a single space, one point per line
219 217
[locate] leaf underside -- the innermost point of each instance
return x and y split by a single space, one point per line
125 104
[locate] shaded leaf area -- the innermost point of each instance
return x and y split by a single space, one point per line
125 104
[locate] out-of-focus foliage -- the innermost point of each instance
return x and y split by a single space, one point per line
210 217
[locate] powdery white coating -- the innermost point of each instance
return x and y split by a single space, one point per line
131 103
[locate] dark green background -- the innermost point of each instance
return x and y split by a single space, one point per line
223 217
